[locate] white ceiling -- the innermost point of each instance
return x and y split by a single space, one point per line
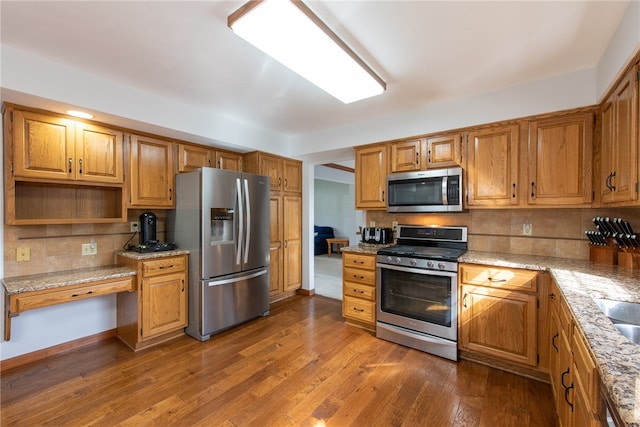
426 51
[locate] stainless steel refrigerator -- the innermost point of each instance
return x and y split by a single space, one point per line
222 217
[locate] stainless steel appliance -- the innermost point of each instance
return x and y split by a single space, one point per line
377 235
417 283
438 190
222 218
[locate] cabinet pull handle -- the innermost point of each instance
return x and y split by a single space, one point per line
80 162
162 267
182 285
429 153
279 182
358 291
77 295
417 158
553 342
533 186
513 194
552 296
171 194
464 301
355 276
562 377
383 195
70 164
285 183
492 280
613 187
358 309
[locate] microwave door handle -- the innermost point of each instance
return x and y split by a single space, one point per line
240 222
445 185
247 239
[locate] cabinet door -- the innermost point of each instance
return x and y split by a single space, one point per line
152 177
406 156
443 151
276 278
499 323
228 161
164 304
98 154
560 159
492 172
292 233
619 153
272 167
191 157
371 177
292 170
43 146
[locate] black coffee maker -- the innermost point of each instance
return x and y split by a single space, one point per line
148 222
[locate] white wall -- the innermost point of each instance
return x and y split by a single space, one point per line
334 208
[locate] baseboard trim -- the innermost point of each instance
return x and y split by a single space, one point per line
306 292
23 359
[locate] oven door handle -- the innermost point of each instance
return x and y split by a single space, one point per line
417 270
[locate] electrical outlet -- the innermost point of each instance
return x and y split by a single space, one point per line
394 225
372 223
527 229
135 227
23 254
89 248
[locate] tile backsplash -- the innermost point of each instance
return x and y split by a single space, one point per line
59 247
554 232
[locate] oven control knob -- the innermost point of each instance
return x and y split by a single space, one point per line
398 260
430 264
441 265
414 262
389 259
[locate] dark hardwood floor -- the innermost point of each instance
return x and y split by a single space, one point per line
300 366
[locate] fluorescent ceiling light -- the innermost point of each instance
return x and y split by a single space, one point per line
80 114
289 32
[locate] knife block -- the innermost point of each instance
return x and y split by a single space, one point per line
603 255
629 259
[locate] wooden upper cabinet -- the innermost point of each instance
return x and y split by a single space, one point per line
49 147
443 151
285 174
492 168
292 172
371 177
619 157
407 156
191 157
228 161
560 160
152 173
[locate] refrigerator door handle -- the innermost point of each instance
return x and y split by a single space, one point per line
236 279
240 222
247 239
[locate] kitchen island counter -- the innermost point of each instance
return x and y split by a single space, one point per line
617 358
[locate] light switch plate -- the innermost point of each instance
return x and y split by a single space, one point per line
23 253
527 229
89 249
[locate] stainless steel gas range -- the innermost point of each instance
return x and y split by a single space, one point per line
417 281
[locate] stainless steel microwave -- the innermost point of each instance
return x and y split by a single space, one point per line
438 190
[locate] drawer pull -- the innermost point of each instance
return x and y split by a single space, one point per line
358 309
355 276
553 342
77 295
162 267
358 291
355 261
492 280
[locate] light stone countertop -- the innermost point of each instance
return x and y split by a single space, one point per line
617 358
39 282
364 248
151 255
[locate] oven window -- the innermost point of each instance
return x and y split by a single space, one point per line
419 296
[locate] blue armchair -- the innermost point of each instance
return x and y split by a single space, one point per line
321 234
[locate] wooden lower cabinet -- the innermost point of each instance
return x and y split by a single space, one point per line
157 310
574 377
359 289
499 313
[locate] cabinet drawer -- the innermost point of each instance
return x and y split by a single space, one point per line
504 278
585 370
359 260
163 266
359 290
37 299
359 309
361 276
